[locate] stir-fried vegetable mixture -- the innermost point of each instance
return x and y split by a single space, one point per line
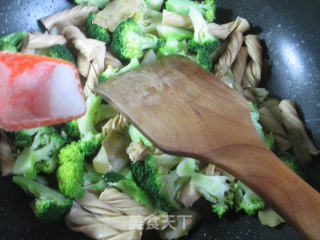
101 162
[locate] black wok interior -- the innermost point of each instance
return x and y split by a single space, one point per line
289 29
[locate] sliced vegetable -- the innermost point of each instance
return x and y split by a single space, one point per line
112 155
116 12
269 217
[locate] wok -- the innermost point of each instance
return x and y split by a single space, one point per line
289 29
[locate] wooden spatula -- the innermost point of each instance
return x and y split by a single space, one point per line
185 110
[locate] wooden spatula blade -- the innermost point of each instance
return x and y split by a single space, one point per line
176 104
185 110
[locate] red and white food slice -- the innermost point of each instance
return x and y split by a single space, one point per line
38 90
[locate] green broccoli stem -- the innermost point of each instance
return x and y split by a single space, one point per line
134 192
106 112
201 31
147 18
108 73
134 63
94 178
166 31
90 174
127 185
255 116
111 71
136 136
206 8
154 15
155 4
25 162
87 122
90 138
100 3
12 42
8 47
172 46
148 41
38 190
179 6
49 205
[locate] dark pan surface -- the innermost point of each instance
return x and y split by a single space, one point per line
289 29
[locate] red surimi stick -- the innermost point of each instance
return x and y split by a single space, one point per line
37 90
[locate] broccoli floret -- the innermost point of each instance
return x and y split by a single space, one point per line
95 31
166 31
49 205
91 144
107 74
136 136
202 43
203 59
12 42
154 175
292 162
187 167
62 52
41 156
24 138
100 3
154 4
220 208
254 113
207 8
111 71
128 43
202 39
112 177
84 127
147 17
106 112
71 128
93 179
70 173
129 187
215 189
134 63
269 140
247 200
90 138
172 46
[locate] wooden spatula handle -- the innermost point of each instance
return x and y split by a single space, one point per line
281 188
